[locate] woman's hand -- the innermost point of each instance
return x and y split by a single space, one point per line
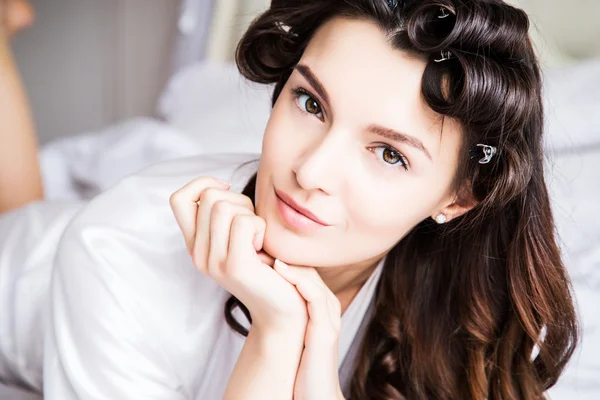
15 16
225 237
317 377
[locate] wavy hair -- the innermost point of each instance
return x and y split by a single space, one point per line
480 307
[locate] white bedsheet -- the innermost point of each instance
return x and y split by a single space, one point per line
573 180
79 167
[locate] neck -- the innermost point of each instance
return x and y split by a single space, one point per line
346 281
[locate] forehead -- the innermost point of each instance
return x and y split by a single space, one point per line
359 68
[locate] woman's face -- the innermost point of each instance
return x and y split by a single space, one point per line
351 140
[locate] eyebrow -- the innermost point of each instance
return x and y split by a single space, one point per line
313 80
387 133
400 137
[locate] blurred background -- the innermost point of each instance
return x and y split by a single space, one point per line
87 64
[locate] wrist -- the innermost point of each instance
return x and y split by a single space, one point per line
268 364
283 345
271 336
290 324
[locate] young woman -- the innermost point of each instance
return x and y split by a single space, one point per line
395 240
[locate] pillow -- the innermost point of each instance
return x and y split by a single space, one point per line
223 111
572 106
571 178
81 166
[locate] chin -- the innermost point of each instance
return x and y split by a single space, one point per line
281 246
292 249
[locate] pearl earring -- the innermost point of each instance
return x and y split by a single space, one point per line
440 218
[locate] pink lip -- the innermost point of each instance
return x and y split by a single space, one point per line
296 215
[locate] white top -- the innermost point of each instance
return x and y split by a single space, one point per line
128 315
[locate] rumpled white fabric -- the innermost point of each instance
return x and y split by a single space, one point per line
28 242
127 316
80 167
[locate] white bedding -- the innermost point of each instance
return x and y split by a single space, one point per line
209 109
81 166
574 190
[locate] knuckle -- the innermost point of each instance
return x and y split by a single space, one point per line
209 194
174 199
215 264
227 267
248 202
222 207
240 221
199 260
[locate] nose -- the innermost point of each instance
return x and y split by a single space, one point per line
321 166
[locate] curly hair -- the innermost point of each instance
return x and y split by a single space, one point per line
480 307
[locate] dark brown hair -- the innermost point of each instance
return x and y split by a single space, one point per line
480 307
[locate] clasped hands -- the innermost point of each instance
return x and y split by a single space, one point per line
224 237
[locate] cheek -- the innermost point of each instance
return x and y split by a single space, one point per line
378 214
276 154
280 134
377 217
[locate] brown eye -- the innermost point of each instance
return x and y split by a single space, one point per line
309 104
391 157
312 106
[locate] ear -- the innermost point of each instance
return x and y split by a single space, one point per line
463 201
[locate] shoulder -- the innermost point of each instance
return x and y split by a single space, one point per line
122 262
134 219
130 230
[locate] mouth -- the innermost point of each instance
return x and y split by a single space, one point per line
296 215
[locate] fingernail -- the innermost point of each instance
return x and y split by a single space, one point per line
223 182
280 264
257 242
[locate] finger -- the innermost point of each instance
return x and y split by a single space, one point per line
208 198
221 219
334 305
266 258
308 273
247 233
184 203
320 300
